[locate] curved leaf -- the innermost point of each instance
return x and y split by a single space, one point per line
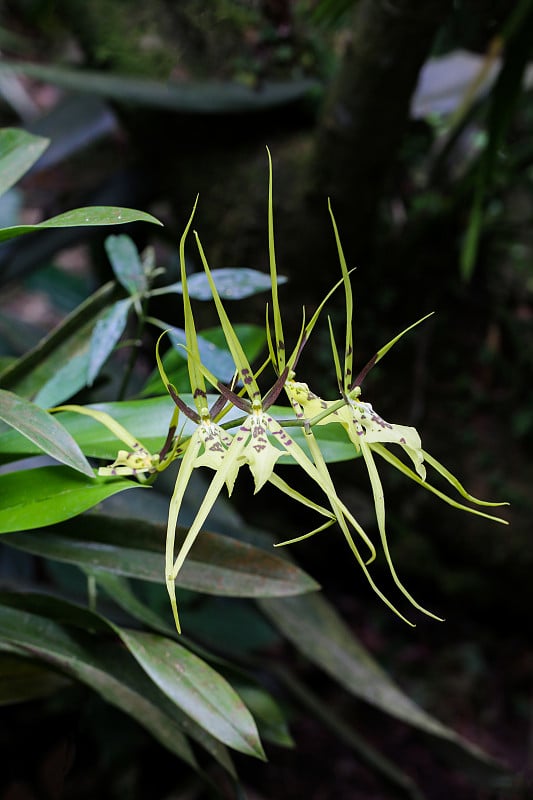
35 370
106 669
316 629
197 688
22 680
37 497
126 263
193 98
43 430
217 564
77 642
82 217
106 333
19 150
233 283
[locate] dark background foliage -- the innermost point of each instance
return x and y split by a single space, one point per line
432 189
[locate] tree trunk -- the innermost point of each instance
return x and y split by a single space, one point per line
367 109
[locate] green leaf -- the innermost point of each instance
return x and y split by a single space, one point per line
57 367
21 680
233 283
120 591
37 497
103 666
126 263
43 430
217 564
197 688
82 217
194 98
316 629
19 150
267 713
107 331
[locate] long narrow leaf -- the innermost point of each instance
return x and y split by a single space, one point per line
82 217
43 430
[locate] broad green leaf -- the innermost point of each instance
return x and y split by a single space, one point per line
126 263
78 642
49 363
316 629
82 217
22 680
120 591
233 283
148 421
197 688
267 713
217 564
43 430
19 150
107 331
105 667
37 497
195 98
70 378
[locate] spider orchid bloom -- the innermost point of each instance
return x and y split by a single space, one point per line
310 409
258 442
370 433
209 442
137 461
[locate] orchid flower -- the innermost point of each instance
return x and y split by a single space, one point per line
369 432
138 460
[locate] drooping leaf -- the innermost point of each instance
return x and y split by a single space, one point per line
197 688
86 645
55 367
126 263
315 628
217 564
107 331
22 680
120 591
37 497
82 217
19 150
43 430
270 719
233 283
197 98
103 666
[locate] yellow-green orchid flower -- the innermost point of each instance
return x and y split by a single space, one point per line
138 460
369 432
258 441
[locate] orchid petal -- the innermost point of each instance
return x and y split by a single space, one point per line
195 375
235 347
455 483
384 453
278 326
379 505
